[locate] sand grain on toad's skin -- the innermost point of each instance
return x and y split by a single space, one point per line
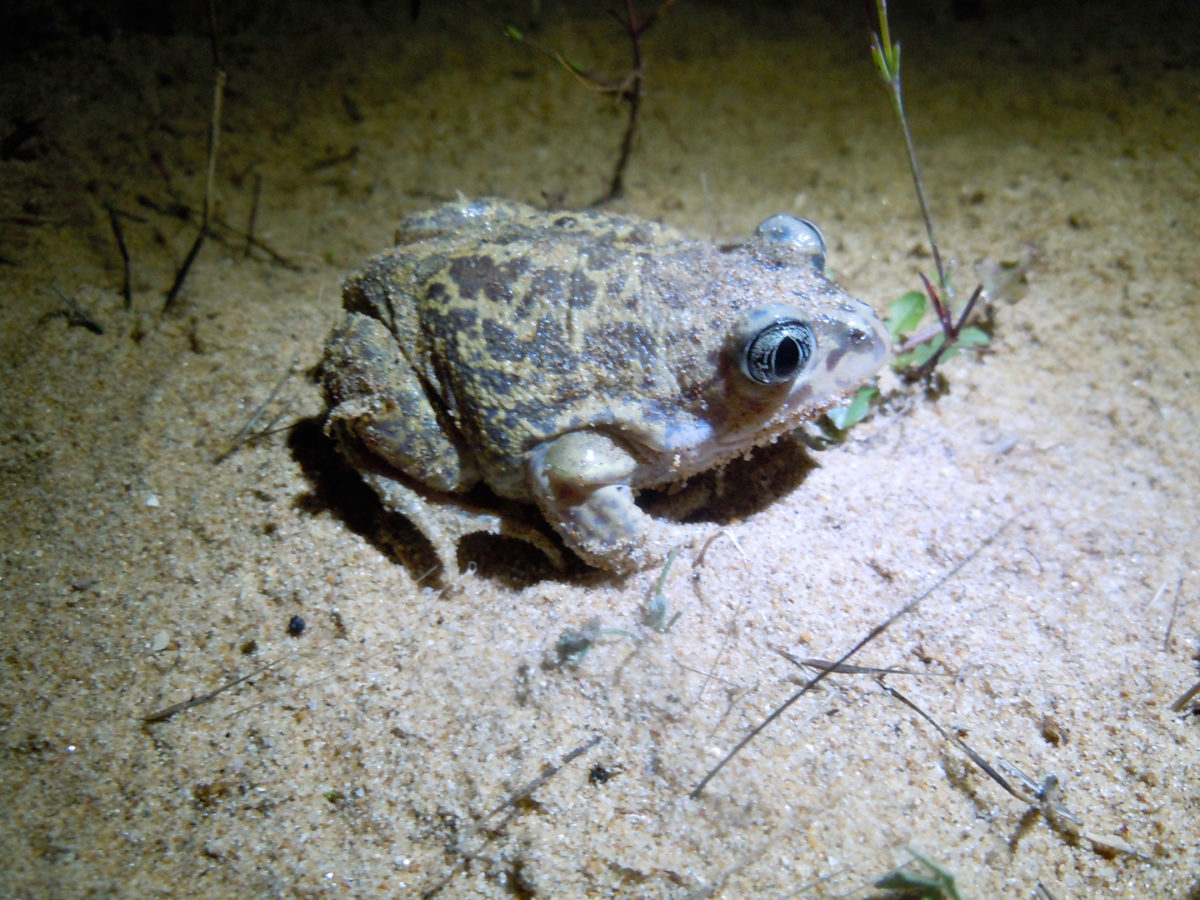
571 359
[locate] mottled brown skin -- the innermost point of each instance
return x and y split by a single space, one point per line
570 359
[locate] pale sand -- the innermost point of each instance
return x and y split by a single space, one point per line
375 754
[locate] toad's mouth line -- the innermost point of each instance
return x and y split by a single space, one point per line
677 453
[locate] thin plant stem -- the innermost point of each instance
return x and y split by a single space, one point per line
887 61
898 101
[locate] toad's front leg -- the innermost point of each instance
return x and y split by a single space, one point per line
581 482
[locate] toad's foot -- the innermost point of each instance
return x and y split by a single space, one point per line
445 519
580 481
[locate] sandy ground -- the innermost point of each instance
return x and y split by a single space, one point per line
421 739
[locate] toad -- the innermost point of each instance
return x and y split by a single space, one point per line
571 359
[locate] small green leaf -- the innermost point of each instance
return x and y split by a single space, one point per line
967 338
855 411
972 337
514 33
919 355
881 65
905 313
939 885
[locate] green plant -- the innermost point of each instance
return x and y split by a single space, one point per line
912 885
920 352
842 417
655 614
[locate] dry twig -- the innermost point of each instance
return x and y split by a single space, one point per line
74 314
241 437
163 714
511 805
214 138
871 635
126 287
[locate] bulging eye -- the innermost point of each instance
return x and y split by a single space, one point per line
788 239
778 353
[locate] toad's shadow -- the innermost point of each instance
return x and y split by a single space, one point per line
339 490
739 490
742 488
